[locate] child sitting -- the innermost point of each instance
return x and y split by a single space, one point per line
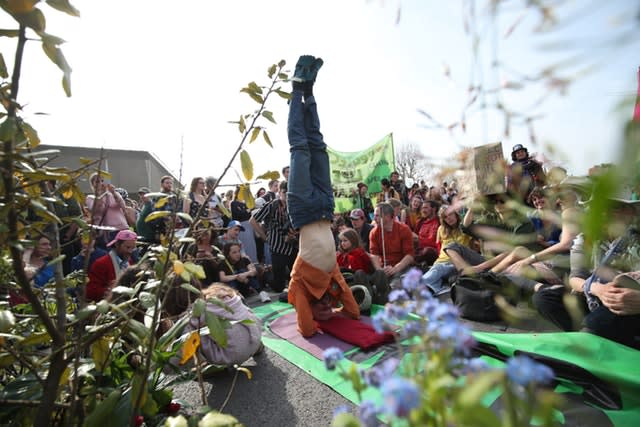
352 257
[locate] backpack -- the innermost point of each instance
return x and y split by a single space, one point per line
474 296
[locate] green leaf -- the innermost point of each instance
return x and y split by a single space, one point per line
8 129
157 215
191 288
256 97
168 337
282 63
482 383
33 19
218 419
269 116
283 76
242 126
216 330
269 175
247 165
3 68
254 134
35 339
267 139
195 269
101 414
283 94
64 6
198 308
185 216
31 134
255 88
51 39
272 70
123 290
56 260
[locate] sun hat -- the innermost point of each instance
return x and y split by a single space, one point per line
124 235
235 223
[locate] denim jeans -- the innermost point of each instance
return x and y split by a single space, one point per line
434 277
310 195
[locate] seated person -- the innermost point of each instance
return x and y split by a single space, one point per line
449 232
244 339
550 264
232 235
427 231
209 256
391 241
88 246
500 229
611 309
237 271
543 218
316 287
351 256
106 269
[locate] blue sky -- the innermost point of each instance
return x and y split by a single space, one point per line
148 74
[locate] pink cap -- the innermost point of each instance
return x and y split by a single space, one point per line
123 235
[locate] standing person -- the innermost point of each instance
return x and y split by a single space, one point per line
218 214
398 185
360 224
105 270
242 214
391 241
388 192
427 231
106 208
272 225
361 200
261 192
285 173
196 197
524 173
317 286
272 192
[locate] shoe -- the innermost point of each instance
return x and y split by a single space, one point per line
264 296
307 69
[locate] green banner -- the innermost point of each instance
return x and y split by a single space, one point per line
368 166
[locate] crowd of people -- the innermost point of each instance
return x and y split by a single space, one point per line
293 243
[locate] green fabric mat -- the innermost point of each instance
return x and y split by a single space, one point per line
614 367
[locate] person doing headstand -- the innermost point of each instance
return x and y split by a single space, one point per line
317 288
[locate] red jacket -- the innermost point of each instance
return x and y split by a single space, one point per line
355 260
427 231
102 276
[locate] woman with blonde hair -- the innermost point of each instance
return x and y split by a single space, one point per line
449 232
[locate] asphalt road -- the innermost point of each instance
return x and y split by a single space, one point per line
280 394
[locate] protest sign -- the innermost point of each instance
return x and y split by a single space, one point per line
484 171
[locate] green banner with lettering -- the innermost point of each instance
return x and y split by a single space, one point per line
368 166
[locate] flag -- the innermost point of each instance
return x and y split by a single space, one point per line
368 166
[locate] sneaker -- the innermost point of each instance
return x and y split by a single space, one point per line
264 296
307 69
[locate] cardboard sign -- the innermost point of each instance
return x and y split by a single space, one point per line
484 171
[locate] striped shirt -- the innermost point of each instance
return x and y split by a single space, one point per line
276 222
